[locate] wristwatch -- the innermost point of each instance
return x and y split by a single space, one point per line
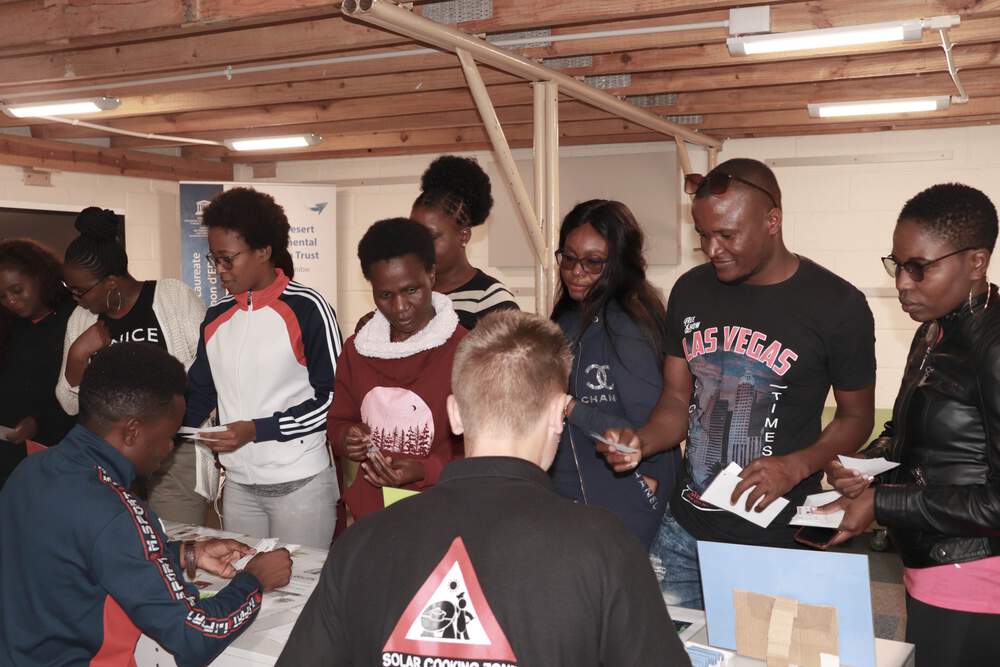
190 560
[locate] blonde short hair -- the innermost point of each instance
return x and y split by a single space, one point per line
507 370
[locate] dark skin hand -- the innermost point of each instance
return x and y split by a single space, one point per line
218 555
235 436
357 437
667 425
771 477
859 513
394 473
26 429
850 483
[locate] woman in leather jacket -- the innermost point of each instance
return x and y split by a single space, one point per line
942 504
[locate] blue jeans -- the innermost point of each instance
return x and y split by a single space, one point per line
674 556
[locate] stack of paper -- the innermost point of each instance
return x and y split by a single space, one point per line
805 514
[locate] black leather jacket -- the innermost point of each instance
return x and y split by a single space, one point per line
942 504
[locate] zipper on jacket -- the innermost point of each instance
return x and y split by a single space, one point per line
569 427
924 372
247 463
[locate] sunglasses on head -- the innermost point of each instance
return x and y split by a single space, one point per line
913 268
718 183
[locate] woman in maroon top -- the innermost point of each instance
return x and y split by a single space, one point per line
394 376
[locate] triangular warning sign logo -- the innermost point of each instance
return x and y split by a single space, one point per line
449 616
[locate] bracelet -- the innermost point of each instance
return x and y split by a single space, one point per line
190 560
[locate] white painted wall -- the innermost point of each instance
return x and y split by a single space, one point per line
839 215
150 208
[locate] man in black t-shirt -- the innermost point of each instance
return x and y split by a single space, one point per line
755 340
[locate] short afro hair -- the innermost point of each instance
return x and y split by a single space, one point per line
961 215
392 238
257 218
129 380
459 188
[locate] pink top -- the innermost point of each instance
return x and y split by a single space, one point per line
973 586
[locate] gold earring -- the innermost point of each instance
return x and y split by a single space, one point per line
118 304
989 293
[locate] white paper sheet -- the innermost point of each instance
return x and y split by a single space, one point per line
194 433
206 475
721 490
806 516
868 466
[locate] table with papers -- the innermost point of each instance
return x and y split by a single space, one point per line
263 641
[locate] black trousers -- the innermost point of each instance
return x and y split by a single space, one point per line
948 638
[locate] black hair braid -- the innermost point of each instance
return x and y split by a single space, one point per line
98 249
459 188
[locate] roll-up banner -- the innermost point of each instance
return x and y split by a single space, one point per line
312 215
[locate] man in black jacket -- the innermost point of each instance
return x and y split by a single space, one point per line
491 567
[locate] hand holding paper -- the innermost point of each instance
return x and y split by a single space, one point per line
720 493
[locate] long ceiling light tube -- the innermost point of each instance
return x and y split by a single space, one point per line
840 36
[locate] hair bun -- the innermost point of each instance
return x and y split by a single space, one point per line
97 223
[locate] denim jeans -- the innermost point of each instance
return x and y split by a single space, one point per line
306 516
674 556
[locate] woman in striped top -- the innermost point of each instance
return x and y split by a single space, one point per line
455 197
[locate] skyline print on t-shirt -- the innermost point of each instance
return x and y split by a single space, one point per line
735 409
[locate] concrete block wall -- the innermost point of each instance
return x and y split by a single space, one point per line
840 215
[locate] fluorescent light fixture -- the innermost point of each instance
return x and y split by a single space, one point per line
62 108
271 143
825 38
879 107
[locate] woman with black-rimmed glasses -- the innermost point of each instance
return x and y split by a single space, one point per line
266 361
615 321
115 307
942 504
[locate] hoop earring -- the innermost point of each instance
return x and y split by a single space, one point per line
989 293
117 306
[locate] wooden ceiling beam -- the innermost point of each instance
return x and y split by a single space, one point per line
52 25
45 154
513 115
333 34
985 82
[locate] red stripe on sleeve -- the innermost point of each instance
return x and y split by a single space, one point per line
294 331
120 637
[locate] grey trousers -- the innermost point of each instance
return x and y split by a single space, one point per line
171 488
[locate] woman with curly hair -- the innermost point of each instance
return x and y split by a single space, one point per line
455 196
34 308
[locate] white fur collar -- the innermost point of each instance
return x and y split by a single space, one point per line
373 339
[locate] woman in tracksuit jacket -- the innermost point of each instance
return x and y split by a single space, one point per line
614 320
266 360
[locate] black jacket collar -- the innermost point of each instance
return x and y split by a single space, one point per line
495 466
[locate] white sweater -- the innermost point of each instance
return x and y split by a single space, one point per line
179 312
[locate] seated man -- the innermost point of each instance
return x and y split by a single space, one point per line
84 565
490 566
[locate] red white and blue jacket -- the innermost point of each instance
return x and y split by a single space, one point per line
85 568
269 356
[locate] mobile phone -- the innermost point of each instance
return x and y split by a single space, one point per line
817 538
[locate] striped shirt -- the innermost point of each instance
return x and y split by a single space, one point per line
483 294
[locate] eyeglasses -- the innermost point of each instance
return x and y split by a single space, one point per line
718 183
78 293
568 262
226 261
913 268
